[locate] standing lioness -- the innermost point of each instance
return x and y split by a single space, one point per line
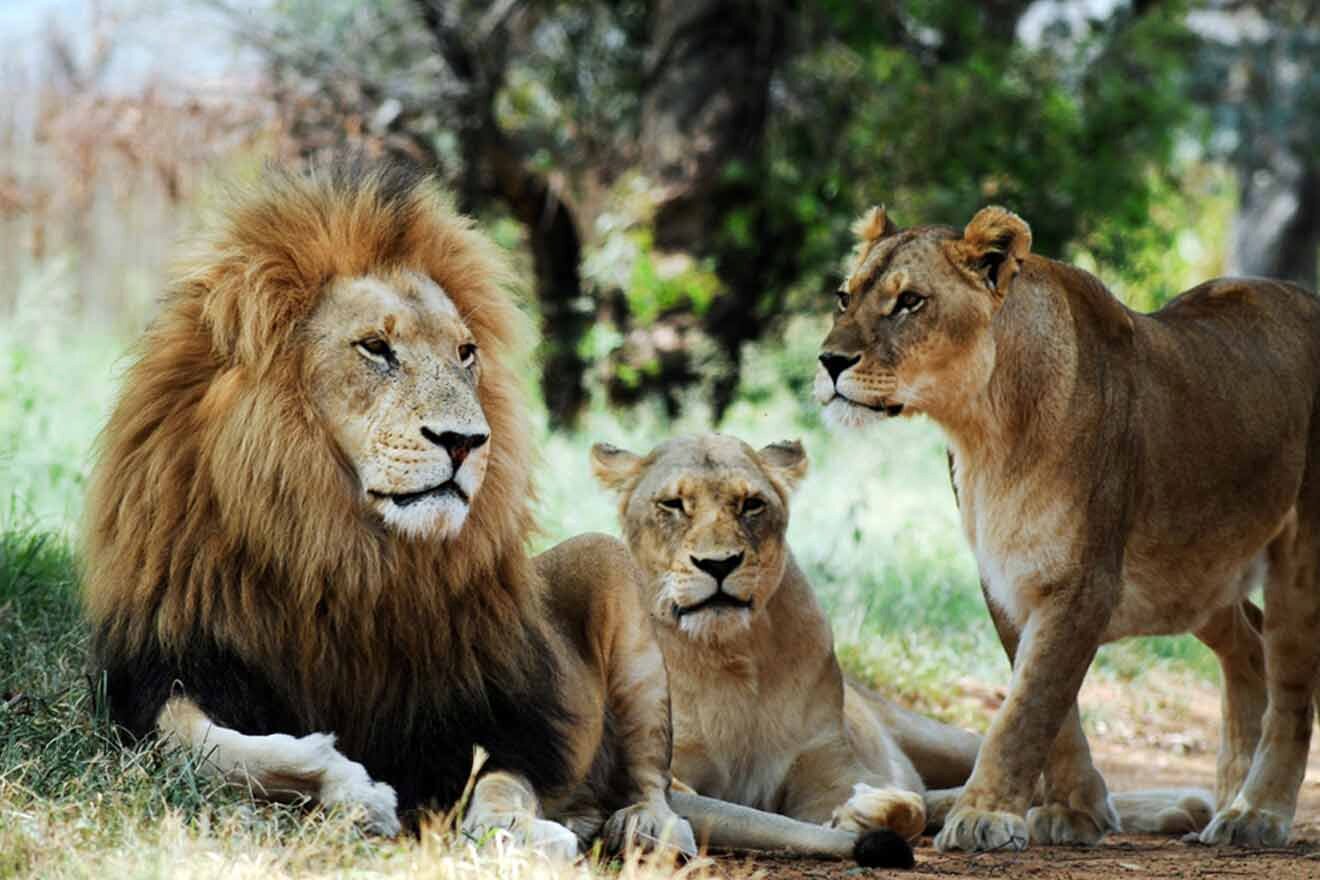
1118 474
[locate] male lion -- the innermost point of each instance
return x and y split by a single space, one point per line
763 714
1118 474
305 542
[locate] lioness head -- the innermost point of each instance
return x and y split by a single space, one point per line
705 518
912 327
394 373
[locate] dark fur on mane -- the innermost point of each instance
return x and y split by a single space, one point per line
228 555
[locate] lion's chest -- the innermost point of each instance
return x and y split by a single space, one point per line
736 741
1023 539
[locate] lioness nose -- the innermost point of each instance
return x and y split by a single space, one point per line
835 364
718 568
457 445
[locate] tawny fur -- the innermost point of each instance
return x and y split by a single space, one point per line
1117 474
763 714
244 593
182 533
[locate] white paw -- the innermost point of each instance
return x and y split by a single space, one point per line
550 839
649 828
347 782
869 808
972 830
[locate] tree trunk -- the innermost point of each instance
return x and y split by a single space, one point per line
1276 233
494 166
708 77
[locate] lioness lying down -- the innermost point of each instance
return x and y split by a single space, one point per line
306 539
1118 474
762 713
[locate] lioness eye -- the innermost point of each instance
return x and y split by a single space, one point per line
467 354
376 348
753 505
844 299
908 302
675 504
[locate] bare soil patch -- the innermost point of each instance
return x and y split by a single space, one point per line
1160 731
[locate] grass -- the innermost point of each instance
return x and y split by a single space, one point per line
874 525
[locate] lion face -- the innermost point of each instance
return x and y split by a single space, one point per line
393 373
912 327
705 518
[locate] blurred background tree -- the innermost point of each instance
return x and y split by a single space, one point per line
679 175
1260 76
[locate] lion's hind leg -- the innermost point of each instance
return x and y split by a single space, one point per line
1164 811
870 808
280 767
1261 814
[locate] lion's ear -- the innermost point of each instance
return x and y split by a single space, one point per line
614 468
786 461
874 225
993 246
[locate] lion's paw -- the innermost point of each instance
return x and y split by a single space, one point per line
650 828
1242 825
550 839
347 782
869 808
972 830
1062 825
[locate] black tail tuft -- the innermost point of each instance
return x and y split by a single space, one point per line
883 848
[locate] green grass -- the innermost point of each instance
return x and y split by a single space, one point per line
874 525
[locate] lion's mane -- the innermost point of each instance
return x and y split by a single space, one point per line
226 551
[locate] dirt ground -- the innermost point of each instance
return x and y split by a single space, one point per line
1146 734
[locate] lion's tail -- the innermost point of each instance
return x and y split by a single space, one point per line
723 825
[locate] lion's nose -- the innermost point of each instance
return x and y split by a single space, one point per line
835 364
718 568
457 445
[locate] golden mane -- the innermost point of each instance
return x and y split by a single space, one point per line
220 508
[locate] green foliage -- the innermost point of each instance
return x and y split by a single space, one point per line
656 289
1077 134
55 391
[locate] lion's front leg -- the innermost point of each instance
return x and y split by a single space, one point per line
639 699
1076 809
504 804
1050 660
279 767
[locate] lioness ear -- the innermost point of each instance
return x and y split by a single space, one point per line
994 245
786 461
874 225
613 467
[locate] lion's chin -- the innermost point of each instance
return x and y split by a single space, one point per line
438 517
715 625
843 413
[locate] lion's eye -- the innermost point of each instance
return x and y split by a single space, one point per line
751 506
376 348
908 301
467 354
674 504
844 299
